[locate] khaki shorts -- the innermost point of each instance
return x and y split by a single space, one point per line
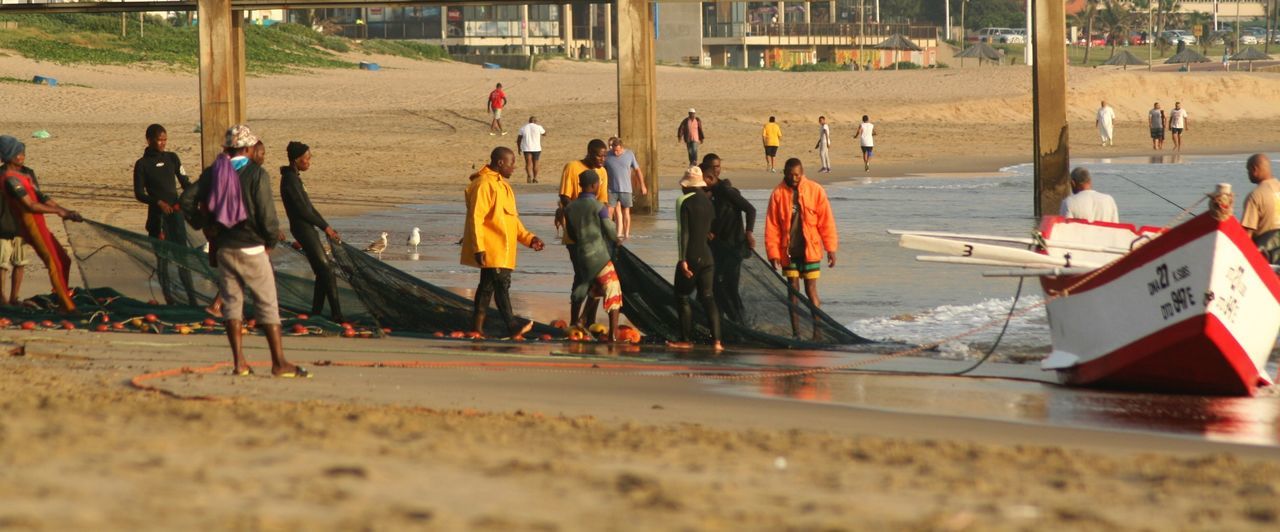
497 114
239 272
12 253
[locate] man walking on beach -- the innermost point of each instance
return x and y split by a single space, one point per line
234 205
695 270
731 241
866 134
570 187
1158 123
691 134
1177 124
824 144
623 175
1105 121
1085 203
529 142
497 101
798 226
492 229
588 223
156 178
1262 207
771 136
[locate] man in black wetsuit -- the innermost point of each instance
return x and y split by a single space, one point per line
156 177
730 242
303 222
696 269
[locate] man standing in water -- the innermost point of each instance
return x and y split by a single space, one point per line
866 134
695 270
156 178
691 134
1177 124
1105 121
489 238
1158 123
771 136
588 223
730 242
824 144
1262 207
623 174
496 101
570 187
798 226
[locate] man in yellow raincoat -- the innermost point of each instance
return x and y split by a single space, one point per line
492 229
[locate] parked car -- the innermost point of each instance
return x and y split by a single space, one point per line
1249 39
989 35
1174 36
1097 40
1009 36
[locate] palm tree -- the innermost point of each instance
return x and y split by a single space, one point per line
1118 20
1086 18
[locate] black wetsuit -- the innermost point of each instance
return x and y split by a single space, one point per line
156 177
304 221
695 214
729 247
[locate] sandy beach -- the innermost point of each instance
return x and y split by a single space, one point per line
471 438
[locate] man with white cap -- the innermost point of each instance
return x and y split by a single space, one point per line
232 203
696 269
691 134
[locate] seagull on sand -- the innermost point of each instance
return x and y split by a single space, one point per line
378 246
415 238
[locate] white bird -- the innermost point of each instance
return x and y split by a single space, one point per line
378 246
415 238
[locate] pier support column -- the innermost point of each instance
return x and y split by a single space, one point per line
608 32
638 94
222 74
1049 102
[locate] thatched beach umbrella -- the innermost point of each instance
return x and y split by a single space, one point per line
981 51
897 42
1250 54
1187 56
1124 58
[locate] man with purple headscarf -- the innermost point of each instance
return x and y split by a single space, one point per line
232 203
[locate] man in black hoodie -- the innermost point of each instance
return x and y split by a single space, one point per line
731 242
303 222
156 177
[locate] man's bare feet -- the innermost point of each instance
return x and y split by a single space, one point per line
718 347
528 326
213 310
680 345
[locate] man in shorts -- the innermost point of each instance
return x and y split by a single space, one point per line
1177 124
799 225
866 136
1158 123
529 142
623 172
13 261
497 100
588 223
771 135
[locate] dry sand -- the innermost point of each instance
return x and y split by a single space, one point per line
491 450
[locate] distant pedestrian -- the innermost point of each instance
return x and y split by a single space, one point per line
799 225
771 136
866 135
695 269
1158 123
824 144
492 229
1085 203
529 142
691 134
1177 124
497 101
624 176
1105 122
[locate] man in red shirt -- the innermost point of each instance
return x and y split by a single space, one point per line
497 100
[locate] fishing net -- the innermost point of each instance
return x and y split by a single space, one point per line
141 268
765 316
408 304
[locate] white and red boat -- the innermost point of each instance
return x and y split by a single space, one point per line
1195 309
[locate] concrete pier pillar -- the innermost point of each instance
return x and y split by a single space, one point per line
222 74
637 94
608 32
1049 106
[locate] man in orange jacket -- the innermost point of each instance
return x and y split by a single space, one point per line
798 226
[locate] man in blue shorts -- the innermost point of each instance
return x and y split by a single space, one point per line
624 173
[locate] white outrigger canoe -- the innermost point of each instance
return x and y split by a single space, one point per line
1194 309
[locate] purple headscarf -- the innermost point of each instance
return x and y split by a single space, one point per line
225 202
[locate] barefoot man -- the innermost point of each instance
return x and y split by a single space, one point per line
588 223
696 270
798 226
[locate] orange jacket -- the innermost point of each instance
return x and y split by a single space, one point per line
819 224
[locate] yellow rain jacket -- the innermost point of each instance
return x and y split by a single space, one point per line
493 225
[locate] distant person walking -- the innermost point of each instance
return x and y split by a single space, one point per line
691 134
623 175
1085 203
1158 123
304 221
529 142
866 135
799 225
824 144
157 176
1177 124
497 101
489 238
26 205
588 223
1262 207
771 136
731 240
695 269
1105 122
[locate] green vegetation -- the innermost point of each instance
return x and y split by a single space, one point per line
97 39
903 65
1099 54
819 67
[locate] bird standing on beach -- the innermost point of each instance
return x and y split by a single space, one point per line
378 246
415 238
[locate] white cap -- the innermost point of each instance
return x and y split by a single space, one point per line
693 178
691 110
